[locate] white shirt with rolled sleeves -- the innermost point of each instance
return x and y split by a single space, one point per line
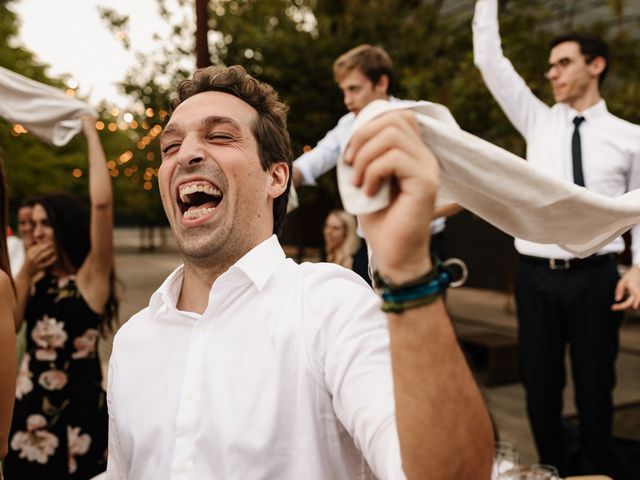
286 375
326 153
610 145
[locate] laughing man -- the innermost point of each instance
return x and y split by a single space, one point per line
246 365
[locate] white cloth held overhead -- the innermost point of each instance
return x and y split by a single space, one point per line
42 109
502 188
354 200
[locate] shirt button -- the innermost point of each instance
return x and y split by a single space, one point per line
204 329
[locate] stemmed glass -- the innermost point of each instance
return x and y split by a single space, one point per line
505 462
539 472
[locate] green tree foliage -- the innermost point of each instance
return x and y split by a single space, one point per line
291 44
14 56
34 168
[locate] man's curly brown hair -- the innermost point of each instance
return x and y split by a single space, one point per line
270 128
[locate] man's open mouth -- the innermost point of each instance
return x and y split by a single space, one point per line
198 198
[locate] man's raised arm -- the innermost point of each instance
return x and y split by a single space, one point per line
509 89
324 156
443 424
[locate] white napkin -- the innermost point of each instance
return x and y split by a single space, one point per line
42 109
502 188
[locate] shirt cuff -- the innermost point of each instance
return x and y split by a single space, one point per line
305 173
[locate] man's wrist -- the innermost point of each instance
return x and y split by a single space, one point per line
406 272
415 293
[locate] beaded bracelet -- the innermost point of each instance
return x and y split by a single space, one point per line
396 298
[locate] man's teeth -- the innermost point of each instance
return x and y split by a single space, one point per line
197 212
201 187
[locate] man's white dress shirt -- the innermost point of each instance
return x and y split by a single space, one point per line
610 145
286 375
326 153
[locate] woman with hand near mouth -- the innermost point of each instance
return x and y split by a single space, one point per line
60 422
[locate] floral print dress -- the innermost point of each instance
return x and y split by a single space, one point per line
59 428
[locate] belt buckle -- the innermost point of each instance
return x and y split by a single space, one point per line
559 264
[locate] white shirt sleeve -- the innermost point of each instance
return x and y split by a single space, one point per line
634 184
509 89
116 464
15 249
356 365
321 159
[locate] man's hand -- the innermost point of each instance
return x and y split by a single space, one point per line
439 408
628 291
447 210
296 177
390 147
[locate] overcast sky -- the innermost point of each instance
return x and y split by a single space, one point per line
70 36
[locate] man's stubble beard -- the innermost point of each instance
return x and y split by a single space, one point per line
204 246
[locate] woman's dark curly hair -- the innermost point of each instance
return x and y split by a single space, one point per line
70 221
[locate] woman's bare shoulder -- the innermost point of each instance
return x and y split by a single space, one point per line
6 290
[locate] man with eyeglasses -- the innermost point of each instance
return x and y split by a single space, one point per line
564 300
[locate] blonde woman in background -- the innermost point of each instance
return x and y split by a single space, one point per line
340 238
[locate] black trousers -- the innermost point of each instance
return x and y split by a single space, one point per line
570 307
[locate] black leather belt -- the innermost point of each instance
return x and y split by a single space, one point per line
570 263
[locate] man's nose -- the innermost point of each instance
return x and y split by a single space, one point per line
191 152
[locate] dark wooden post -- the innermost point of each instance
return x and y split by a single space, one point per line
203 57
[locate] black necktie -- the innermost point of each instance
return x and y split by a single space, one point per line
576 152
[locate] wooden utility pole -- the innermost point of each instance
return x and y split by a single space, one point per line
203 57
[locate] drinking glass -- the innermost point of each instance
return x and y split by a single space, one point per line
505 462
539 472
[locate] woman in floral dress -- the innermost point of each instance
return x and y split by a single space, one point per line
65 294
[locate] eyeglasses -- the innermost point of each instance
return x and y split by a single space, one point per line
560 66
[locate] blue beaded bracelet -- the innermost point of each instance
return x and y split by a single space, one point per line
433 287
421 291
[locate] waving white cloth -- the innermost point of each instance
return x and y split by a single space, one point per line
42 109
502 188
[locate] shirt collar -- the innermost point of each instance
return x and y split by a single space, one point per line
168 292
259 263
597 110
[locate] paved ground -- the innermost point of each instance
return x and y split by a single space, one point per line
141 273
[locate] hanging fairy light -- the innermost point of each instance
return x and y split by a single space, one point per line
17 130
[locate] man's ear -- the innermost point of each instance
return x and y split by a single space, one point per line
383 84
278 178
597 66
